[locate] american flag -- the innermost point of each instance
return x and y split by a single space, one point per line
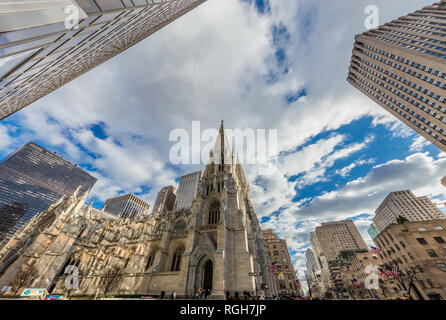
297 283
395 272
273 267
338 277
375 250
388 271
349 268
356 282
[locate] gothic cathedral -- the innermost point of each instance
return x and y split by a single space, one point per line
216 244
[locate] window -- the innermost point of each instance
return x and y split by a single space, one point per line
442 267
439 239
432 253
180 226
276 253
435 296
438 228
422 241
176 259
421 229
149 262
402 244
214 213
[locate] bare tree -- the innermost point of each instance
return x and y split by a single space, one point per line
110 279
22 278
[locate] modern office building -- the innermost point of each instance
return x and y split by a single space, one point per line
312 264
406 204
287 282
402 66
373 231
31 179
126 206
165 200
187 190
338 236
416 249
44 44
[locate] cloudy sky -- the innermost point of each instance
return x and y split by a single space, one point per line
271 64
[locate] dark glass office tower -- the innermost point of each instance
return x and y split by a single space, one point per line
31 179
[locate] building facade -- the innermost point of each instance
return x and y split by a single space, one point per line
165 200
312 263
323 280
31 179
406 204
126 206
216 245
187 190
402 66
338 236
328 242
42 47
418 250
286 280
373 231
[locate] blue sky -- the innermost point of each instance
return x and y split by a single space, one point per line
256 64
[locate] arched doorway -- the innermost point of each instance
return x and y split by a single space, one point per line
208 275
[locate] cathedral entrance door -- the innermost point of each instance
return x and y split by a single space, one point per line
208 275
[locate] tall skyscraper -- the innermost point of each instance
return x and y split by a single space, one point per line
187 190
338 236
373 231
127 206
165 200
402 66
31 179
42 48
312 264
406 204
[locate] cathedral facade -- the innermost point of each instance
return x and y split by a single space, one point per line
216 244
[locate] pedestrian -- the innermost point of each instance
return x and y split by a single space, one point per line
172 295
236 296
228 295
163 293
208 293
199 293
245 295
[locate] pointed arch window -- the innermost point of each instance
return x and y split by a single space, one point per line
176 259
180 226
214 213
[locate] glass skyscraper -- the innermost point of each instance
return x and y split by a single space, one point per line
46 43
31 179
